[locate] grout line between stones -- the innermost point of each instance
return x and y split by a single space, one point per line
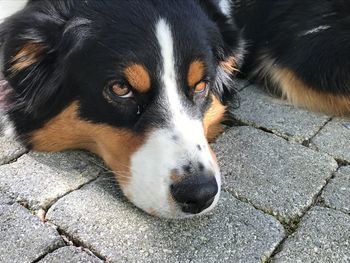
315 202
308 142
71 241
15 159
48 207
44 255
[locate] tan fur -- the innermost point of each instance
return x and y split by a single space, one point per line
213 118
68 131
138 77
195 73
27 56
298 93
229 65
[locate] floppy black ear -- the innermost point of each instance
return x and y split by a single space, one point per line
229 50
36 43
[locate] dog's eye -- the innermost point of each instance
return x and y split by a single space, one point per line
122 91
201 87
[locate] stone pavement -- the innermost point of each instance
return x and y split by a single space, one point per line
286 198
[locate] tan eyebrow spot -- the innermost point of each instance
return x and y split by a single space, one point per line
138 77
28 55
229 65
195 73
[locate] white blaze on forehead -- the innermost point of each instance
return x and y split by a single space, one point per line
152 164
179 117
225 6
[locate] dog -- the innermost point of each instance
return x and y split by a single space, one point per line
141 83
299 50
145 84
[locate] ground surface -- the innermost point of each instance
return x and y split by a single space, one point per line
286 198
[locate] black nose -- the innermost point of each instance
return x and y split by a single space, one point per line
195 193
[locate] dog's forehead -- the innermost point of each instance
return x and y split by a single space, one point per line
131 36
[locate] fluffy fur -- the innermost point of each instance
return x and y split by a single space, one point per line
140 83
143 84
299 49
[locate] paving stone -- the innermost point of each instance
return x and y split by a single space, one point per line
9 150
337 193
98 217
334 139
70 255
262 110
23 238
280 177
323 237
38 179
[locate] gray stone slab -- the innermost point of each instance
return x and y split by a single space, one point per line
337 193
323 237
98 217
38 179
334 139
70 255
262 110
277 176
9 150
23 238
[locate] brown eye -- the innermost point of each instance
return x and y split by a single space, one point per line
200 87
121 90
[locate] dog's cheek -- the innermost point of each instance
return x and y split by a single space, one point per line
67 131
213 119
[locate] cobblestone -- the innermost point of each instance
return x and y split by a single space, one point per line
23 238
334 139
279 177
337 193
38 179
9 150
261 110
234 232
323 237
70 255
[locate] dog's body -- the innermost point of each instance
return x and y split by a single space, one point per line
300 49
142 83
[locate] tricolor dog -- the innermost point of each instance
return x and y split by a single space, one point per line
144 83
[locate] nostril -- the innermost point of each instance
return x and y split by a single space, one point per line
195 193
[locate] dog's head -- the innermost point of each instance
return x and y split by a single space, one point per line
140 83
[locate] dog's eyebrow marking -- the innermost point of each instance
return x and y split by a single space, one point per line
195 73
138 77
28 55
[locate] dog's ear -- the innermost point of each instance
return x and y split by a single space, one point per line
229 50
36 43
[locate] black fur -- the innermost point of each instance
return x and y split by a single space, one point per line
86 44
278 30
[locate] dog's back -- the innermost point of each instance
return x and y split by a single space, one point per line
301 49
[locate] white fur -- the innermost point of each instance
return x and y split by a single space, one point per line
225 6
152 164
315 30
9 7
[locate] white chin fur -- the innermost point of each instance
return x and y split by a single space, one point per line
152 165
